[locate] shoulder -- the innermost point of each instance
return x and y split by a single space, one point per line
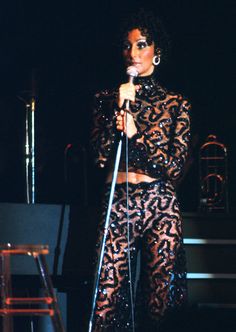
104 101
105 95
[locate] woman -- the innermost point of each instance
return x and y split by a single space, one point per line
157 128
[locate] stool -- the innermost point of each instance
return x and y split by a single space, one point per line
7 309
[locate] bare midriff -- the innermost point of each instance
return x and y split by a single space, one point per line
132 178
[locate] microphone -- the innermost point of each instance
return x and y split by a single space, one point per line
132 72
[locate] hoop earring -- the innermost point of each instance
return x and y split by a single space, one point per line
156 60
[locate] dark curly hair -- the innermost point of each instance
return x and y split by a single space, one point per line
150 26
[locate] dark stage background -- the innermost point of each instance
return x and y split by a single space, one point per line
63 53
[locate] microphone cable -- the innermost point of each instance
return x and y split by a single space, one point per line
128 229
132 73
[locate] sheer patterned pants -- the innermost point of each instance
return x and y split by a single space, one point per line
155 229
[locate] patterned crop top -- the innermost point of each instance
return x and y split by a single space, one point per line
160 147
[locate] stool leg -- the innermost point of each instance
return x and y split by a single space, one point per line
48 289
7 322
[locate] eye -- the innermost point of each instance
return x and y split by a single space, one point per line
126 46
142 44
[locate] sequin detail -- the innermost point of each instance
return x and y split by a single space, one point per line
159 150
155 227
162 118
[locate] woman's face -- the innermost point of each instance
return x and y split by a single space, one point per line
138 53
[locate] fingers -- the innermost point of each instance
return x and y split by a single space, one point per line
125 122
126 92
120 120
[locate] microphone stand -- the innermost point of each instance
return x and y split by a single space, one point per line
103 242
29 149
30 152
132 72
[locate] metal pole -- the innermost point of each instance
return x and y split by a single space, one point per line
27 154
32 151
103 242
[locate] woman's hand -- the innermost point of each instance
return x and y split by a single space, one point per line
125 122
126 92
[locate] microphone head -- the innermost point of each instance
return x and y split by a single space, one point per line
132 71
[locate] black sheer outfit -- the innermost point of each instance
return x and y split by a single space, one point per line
159 150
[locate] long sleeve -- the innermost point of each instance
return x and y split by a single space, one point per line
103 133
163 145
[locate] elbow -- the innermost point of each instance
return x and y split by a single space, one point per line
175 170
174 174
